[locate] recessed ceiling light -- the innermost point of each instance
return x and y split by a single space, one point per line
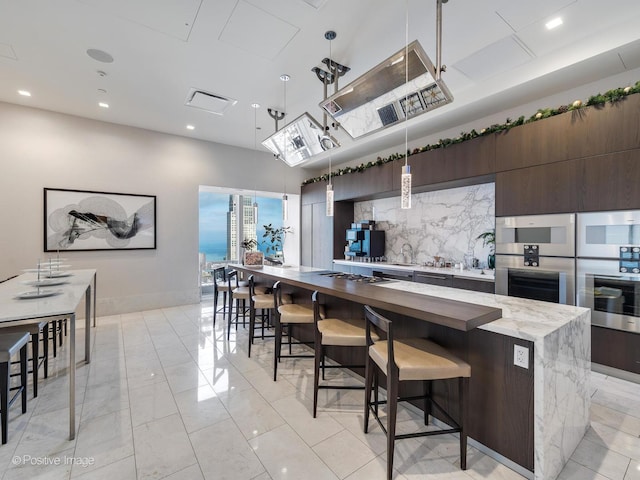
24 93
551 24
103 105
190 127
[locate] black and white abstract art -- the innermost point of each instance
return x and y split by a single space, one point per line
84 220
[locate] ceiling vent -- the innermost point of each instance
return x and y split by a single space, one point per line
209 102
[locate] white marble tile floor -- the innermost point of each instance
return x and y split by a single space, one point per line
167 397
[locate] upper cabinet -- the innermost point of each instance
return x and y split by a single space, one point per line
582 160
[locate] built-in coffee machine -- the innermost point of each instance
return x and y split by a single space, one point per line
364 240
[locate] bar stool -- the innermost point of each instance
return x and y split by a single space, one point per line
220 285
405 360
10 344
338 333
288 314
34 328
264 302
238 293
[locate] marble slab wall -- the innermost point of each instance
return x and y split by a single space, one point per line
443 223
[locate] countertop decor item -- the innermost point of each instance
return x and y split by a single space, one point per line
489 240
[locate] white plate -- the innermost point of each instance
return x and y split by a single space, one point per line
56 274
45 282
38 293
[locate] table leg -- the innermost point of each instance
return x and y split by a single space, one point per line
95 293
72 377
87 325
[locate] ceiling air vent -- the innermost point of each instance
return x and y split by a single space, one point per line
209 102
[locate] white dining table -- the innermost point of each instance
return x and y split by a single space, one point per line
78 285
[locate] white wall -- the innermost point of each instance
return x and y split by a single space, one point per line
41 149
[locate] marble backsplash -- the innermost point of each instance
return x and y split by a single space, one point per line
445 223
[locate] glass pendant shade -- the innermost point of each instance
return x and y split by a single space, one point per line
285 207
255 212
329 200
405 187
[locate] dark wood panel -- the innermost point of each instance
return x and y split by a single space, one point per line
502 409
609 182
313 193
607 129
540 189
615 348
475 285
537 143
473 158
443 279
366 184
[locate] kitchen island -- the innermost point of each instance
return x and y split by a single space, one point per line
535 416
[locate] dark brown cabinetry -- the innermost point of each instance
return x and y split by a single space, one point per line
366 184
615 348
441 279
547 188
472 284
609 182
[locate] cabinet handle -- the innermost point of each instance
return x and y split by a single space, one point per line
436 277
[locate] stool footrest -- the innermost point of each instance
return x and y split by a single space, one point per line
342 387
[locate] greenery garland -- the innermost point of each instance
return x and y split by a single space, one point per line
611 96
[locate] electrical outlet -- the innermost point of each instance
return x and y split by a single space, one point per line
521 356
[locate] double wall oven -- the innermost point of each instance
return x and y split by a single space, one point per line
608 268
535 257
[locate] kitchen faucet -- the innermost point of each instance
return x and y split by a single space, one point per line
404 258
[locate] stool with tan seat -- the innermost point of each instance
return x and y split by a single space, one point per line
265 302
10 345
334 332
220 285
239 293
287 315
411 359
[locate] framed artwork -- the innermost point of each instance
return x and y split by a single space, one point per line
83 220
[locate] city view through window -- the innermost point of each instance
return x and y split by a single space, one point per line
226 220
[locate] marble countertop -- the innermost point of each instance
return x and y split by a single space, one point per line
521 318
475 274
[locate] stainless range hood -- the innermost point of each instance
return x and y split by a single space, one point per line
383 97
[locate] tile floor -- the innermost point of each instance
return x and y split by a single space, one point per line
166 396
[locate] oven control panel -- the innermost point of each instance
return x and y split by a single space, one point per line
629 259
531 256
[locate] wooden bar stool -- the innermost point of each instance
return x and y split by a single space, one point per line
338 333
239 294
34 328
288 314
265 302
10 344
409 360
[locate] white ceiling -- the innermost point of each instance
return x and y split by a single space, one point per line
498 52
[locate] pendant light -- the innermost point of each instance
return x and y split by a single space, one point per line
329 195
405 178
255 107
285 199
329 198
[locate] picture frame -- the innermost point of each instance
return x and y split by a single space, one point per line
84 220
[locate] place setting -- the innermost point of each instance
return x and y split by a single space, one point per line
50 273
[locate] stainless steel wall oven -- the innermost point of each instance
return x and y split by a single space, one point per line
608 268
535 257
